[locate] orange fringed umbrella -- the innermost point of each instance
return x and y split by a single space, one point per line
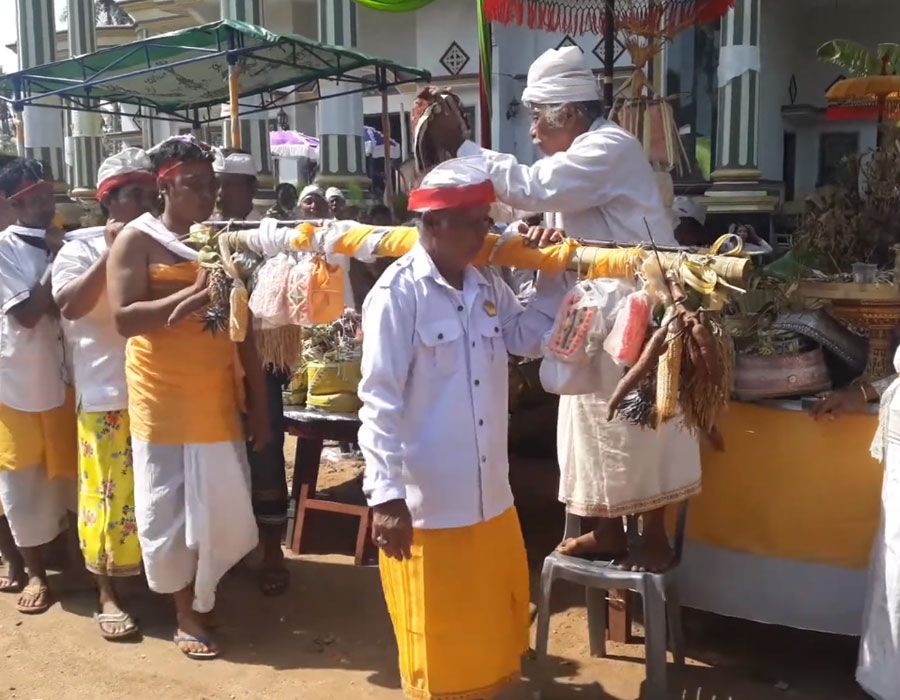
872 97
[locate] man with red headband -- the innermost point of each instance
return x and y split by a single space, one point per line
595 182
191 486
436 338
37 415
15 578
106 524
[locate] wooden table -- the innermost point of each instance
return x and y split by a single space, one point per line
312 427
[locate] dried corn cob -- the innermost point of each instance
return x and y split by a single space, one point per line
239 317
669 374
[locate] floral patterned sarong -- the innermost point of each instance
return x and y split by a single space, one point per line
107 529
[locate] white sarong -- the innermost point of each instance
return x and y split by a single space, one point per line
194 516
36 506
612 468
878 670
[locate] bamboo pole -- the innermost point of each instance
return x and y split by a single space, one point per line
733 270
234 92
386 133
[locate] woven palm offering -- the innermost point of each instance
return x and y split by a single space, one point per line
684 367
332 354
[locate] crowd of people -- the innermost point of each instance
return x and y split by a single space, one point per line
147 444
152 446
130 437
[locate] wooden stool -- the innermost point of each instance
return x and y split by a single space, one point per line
312 428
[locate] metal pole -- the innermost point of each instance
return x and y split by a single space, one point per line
609 53
19 113
386 132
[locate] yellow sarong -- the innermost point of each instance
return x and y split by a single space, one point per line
46 438
460 609
107 529
182 386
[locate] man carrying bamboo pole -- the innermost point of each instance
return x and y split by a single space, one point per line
436 337
237 179
107 531
16 577
191 492
597 179
37 407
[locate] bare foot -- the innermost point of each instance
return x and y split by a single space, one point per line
605 546
652 555
274 578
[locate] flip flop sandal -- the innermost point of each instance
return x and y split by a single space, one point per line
35 592
130 628
184 638
274 582
8 585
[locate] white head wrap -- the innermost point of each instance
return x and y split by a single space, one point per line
459 182
128 160
689 208
311 189
333 192
234 163
559 76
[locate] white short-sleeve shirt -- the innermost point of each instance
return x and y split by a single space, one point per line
98 351
32 360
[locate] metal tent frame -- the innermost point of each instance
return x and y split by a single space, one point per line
176 75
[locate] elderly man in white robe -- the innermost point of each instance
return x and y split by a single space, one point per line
600 186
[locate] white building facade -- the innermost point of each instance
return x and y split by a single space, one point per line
751 91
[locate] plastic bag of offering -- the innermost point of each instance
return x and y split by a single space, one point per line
315 292
269 302
629 329
571 358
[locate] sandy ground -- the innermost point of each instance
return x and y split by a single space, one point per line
330 637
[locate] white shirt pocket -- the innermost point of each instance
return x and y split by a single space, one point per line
488 328
440 338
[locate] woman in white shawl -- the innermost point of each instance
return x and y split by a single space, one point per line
879 648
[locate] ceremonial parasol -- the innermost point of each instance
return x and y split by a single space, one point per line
293 144
872 91
644 27
877 98
638 17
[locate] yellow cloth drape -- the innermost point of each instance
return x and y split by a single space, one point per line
47 438
460 609
399 240
790 488
107 529
182 379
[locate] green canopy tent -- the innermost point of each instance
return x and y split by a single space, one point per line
180 76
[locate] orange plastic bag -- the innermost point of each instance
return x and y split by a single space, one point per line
326 292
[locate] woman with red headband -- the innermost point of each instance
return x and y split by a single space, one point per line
37 421
107 530
191 491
